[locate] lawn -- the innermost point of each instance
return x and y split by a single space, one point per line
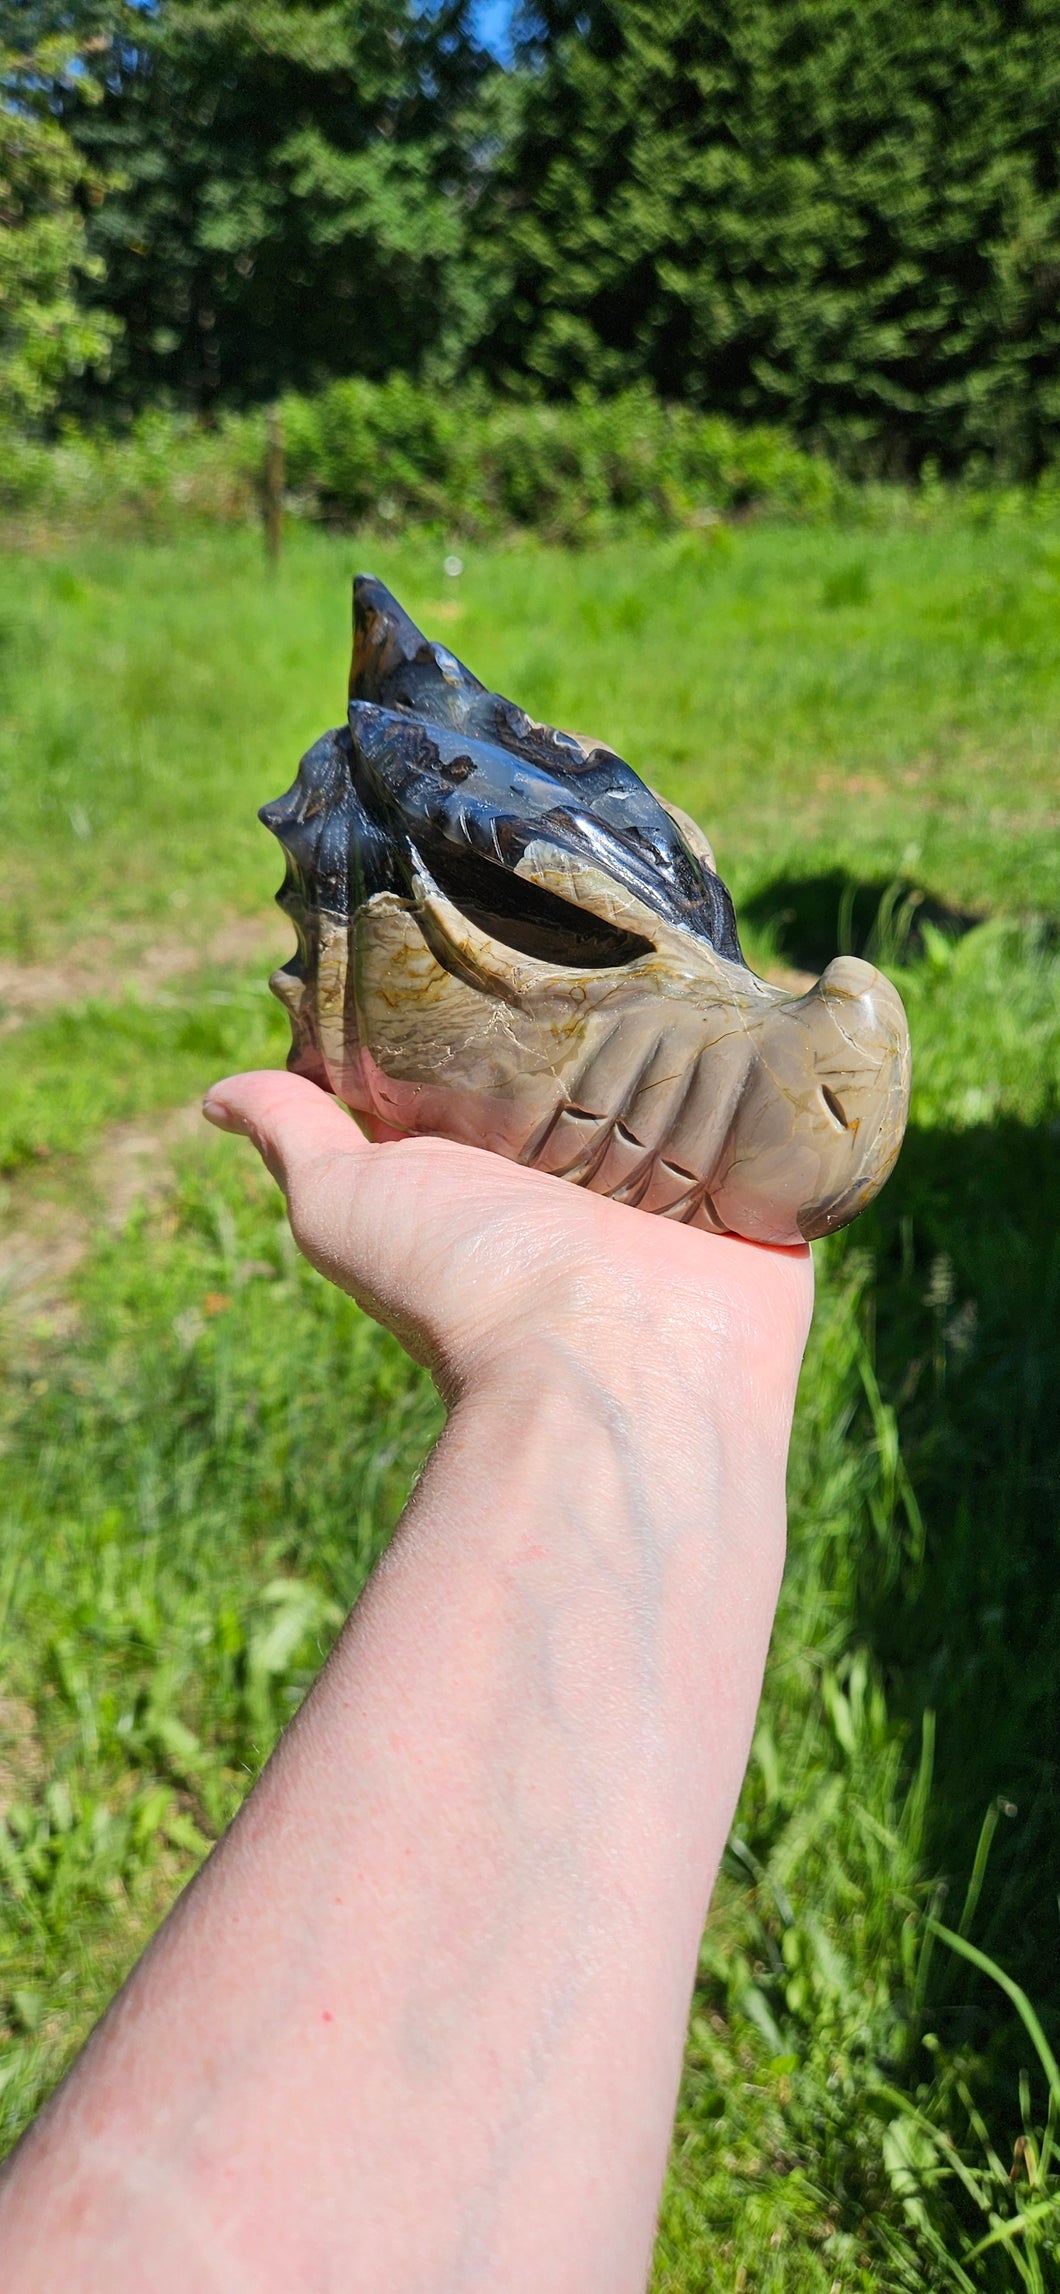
203 1447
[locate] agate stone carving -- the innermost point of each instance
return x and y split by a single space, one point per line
505 937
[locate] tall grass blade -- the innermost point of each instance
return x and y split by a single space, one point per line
1020 2001
1016 2227
978 1872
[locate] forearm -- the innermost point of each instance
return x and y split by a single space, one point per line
418 2024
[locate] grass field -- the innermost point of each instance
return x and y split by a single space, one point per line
203 1447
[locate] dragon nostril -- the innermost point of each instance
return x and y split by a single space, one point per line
835 1107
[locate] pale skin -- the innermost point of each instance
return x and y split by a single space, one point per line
417 2026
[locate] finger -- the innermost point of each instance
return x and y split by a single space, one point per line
290 1120
328 1173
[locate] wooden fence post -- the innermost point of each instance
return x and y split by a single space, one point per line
273 485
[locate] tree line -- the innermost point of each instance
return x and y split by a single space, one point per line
838 215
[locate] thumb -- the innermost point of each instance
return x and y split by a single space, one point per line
342 1218
290 1121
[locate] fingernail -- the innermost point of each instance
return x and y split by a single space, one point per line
215 1111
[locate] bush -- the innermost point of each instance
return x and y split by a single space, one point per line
481 464
399 453
164 470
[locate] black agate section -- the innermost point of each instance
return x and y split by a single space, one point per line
433 769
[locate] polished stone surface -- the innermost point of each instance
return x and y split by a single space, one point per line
504 936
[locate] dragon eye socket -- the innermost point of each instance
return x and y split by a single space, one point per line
526 917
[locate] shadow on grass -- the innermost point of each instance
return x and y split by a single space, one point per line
967 1307
966 1301
811 919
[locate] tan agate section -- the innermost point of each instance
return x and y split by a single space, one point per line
680 1083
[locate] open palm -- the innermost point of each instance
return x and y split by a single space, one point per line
470 1259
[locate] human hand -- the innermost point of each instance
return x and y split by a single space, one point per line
381 2025
480 1266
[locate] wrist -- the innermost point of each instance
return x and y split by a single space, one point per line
623 1528
700 1339
640 1437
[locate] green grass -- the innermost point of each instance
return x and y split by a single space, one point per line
202 1447
97 1063
823 699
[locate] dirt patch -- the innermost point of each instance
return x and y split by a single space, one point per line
45 1229
22 1762
109 967
44 1235
44 1238
105 970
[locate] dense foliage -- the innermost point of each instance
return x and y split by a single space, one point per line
48 330
285 196
398 452
842 215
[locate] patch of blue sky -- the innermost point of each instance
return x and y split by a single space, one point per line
492 20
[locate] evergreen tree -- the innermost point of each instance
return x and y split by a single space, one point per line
844 214
292 185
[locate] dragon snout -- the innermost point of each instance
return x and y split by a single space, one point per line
821 1120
